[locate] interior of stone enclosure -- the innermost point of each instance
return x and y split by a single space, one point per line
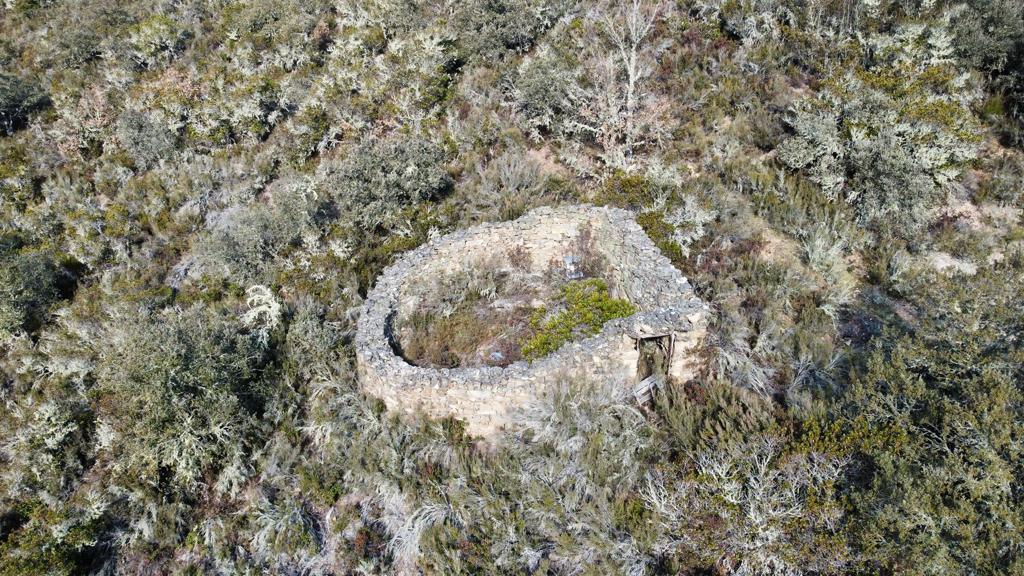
510 284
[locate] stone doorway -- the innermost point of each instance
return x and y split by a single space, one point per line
654 356
651 366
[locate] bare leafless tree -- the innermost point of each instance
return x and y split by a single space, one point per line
629 24
616 109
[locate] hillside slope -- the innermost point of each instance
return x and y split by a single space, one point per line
196 196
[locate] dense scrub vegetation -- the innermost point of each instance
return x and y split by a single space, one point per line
195 196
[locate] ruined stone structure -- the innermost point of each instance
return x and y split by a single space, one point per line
670 320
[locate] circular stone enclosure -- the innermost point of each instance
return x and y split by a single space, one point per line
658 340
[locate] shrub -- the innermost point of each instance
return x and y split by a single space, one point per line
18 99
35 547
45 445
377 180
488 28
30 283
146 141
244 241
541 93
178 396
1005 183
990 36
933 414
155 41
509 185
753 509
78 47
890 137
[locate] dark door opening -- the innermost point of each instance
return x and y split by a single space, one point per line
654 355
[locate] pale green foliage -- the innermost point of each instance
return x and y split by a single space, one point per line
244 240
750 20
1007 180
281 525
690 221
767 503
264 313
43 448
28 287
583 446
889 139
508 183
616 108
490 27
826 254
145 140
990 35
376 181
541 91
155 41
180 393
592 89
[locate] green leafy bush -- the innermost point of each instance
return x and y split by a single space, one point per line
377 180
933 416
587 306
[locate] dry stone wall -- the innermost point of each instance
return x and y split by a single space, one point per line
487 397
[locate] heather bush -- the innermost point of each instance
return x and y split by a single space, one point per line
930 409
